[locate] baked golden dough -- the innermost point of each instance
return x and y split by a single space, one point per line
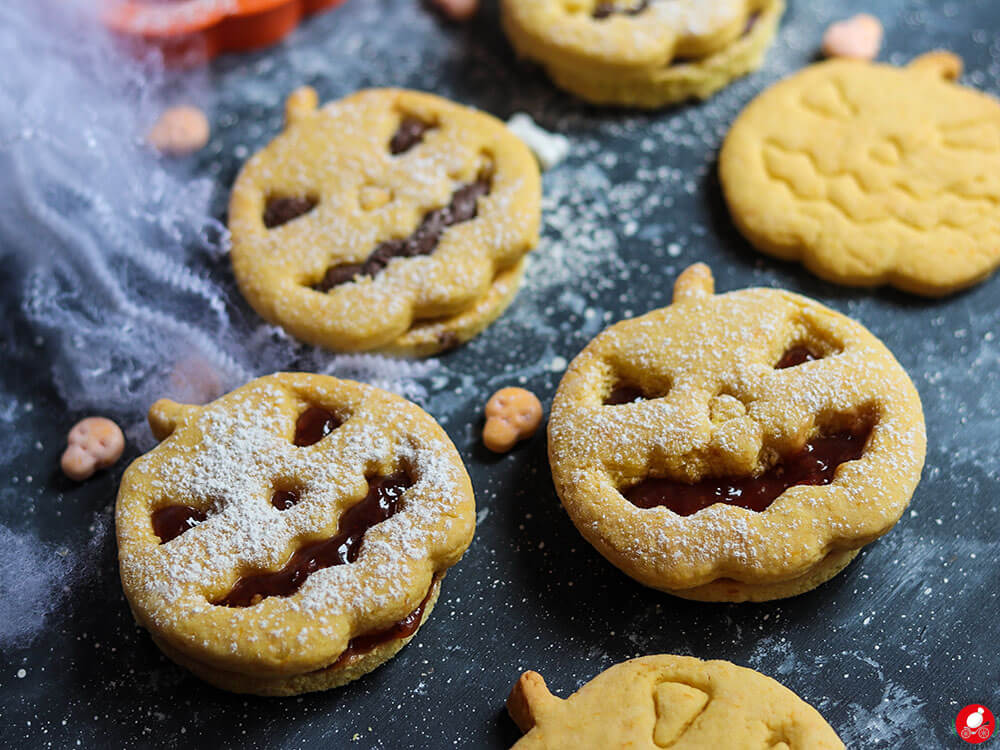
870 174
363 196
228 460
667 53
716 406
673 702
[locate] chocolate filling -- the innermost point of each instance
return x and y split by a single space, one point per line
381 503
424 240
411 132
282 210
172 521
313 425
404 628
814 464
796 356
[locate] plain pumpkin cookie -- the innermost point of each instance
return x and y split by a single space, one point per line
391 220
735 447
643 53
669 701
870 174
292 535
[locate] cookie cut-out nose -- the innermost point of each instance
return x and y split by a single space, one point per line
173 520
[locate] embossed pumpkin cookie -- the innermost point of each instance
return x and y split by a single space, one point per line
292 535
390 220
870 174
669 701
734 447
642 53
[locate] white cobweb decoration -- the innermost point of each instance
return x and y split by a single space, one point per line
122 261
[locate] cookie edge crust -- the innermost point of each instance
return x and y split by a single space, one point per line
429 337
731 590
664 87
324 678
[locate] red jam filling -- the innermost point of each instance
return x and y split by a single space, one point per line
313 425
404 628
796 356
624 394
285 499
381 503
814 464
172 521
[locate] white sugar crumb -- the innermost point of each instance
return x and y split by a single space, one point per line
549 148
244 451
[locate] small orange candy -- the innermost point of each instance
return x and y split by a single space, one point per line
458 10
512 414
180 131
94 443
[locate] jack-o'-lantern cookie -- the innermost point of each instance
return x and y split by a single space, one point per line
391 220
292 535
642 53
735 447
669 701
870 174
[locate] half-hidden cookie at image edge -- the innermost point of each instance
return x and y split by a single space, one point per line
391 220
669 701
735 447
292 535
642 53
871 174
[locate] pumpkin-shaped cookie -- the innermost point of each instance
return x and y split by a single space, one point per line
871 174
643 53
390 220
734 447
669 701
292 535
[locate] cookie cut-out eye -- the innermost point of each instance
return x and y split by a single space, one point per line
281 210
314 424
814 464
173 520
629 392
285 499
410 132
797 355
624 394
382 502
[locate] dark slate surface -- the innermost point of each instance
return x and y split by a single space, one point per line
888 651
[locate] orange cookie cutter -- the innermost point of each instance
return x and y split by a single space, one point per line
192 31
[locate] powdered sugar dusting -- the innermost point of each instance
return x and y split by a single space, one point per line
688 355
227 458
